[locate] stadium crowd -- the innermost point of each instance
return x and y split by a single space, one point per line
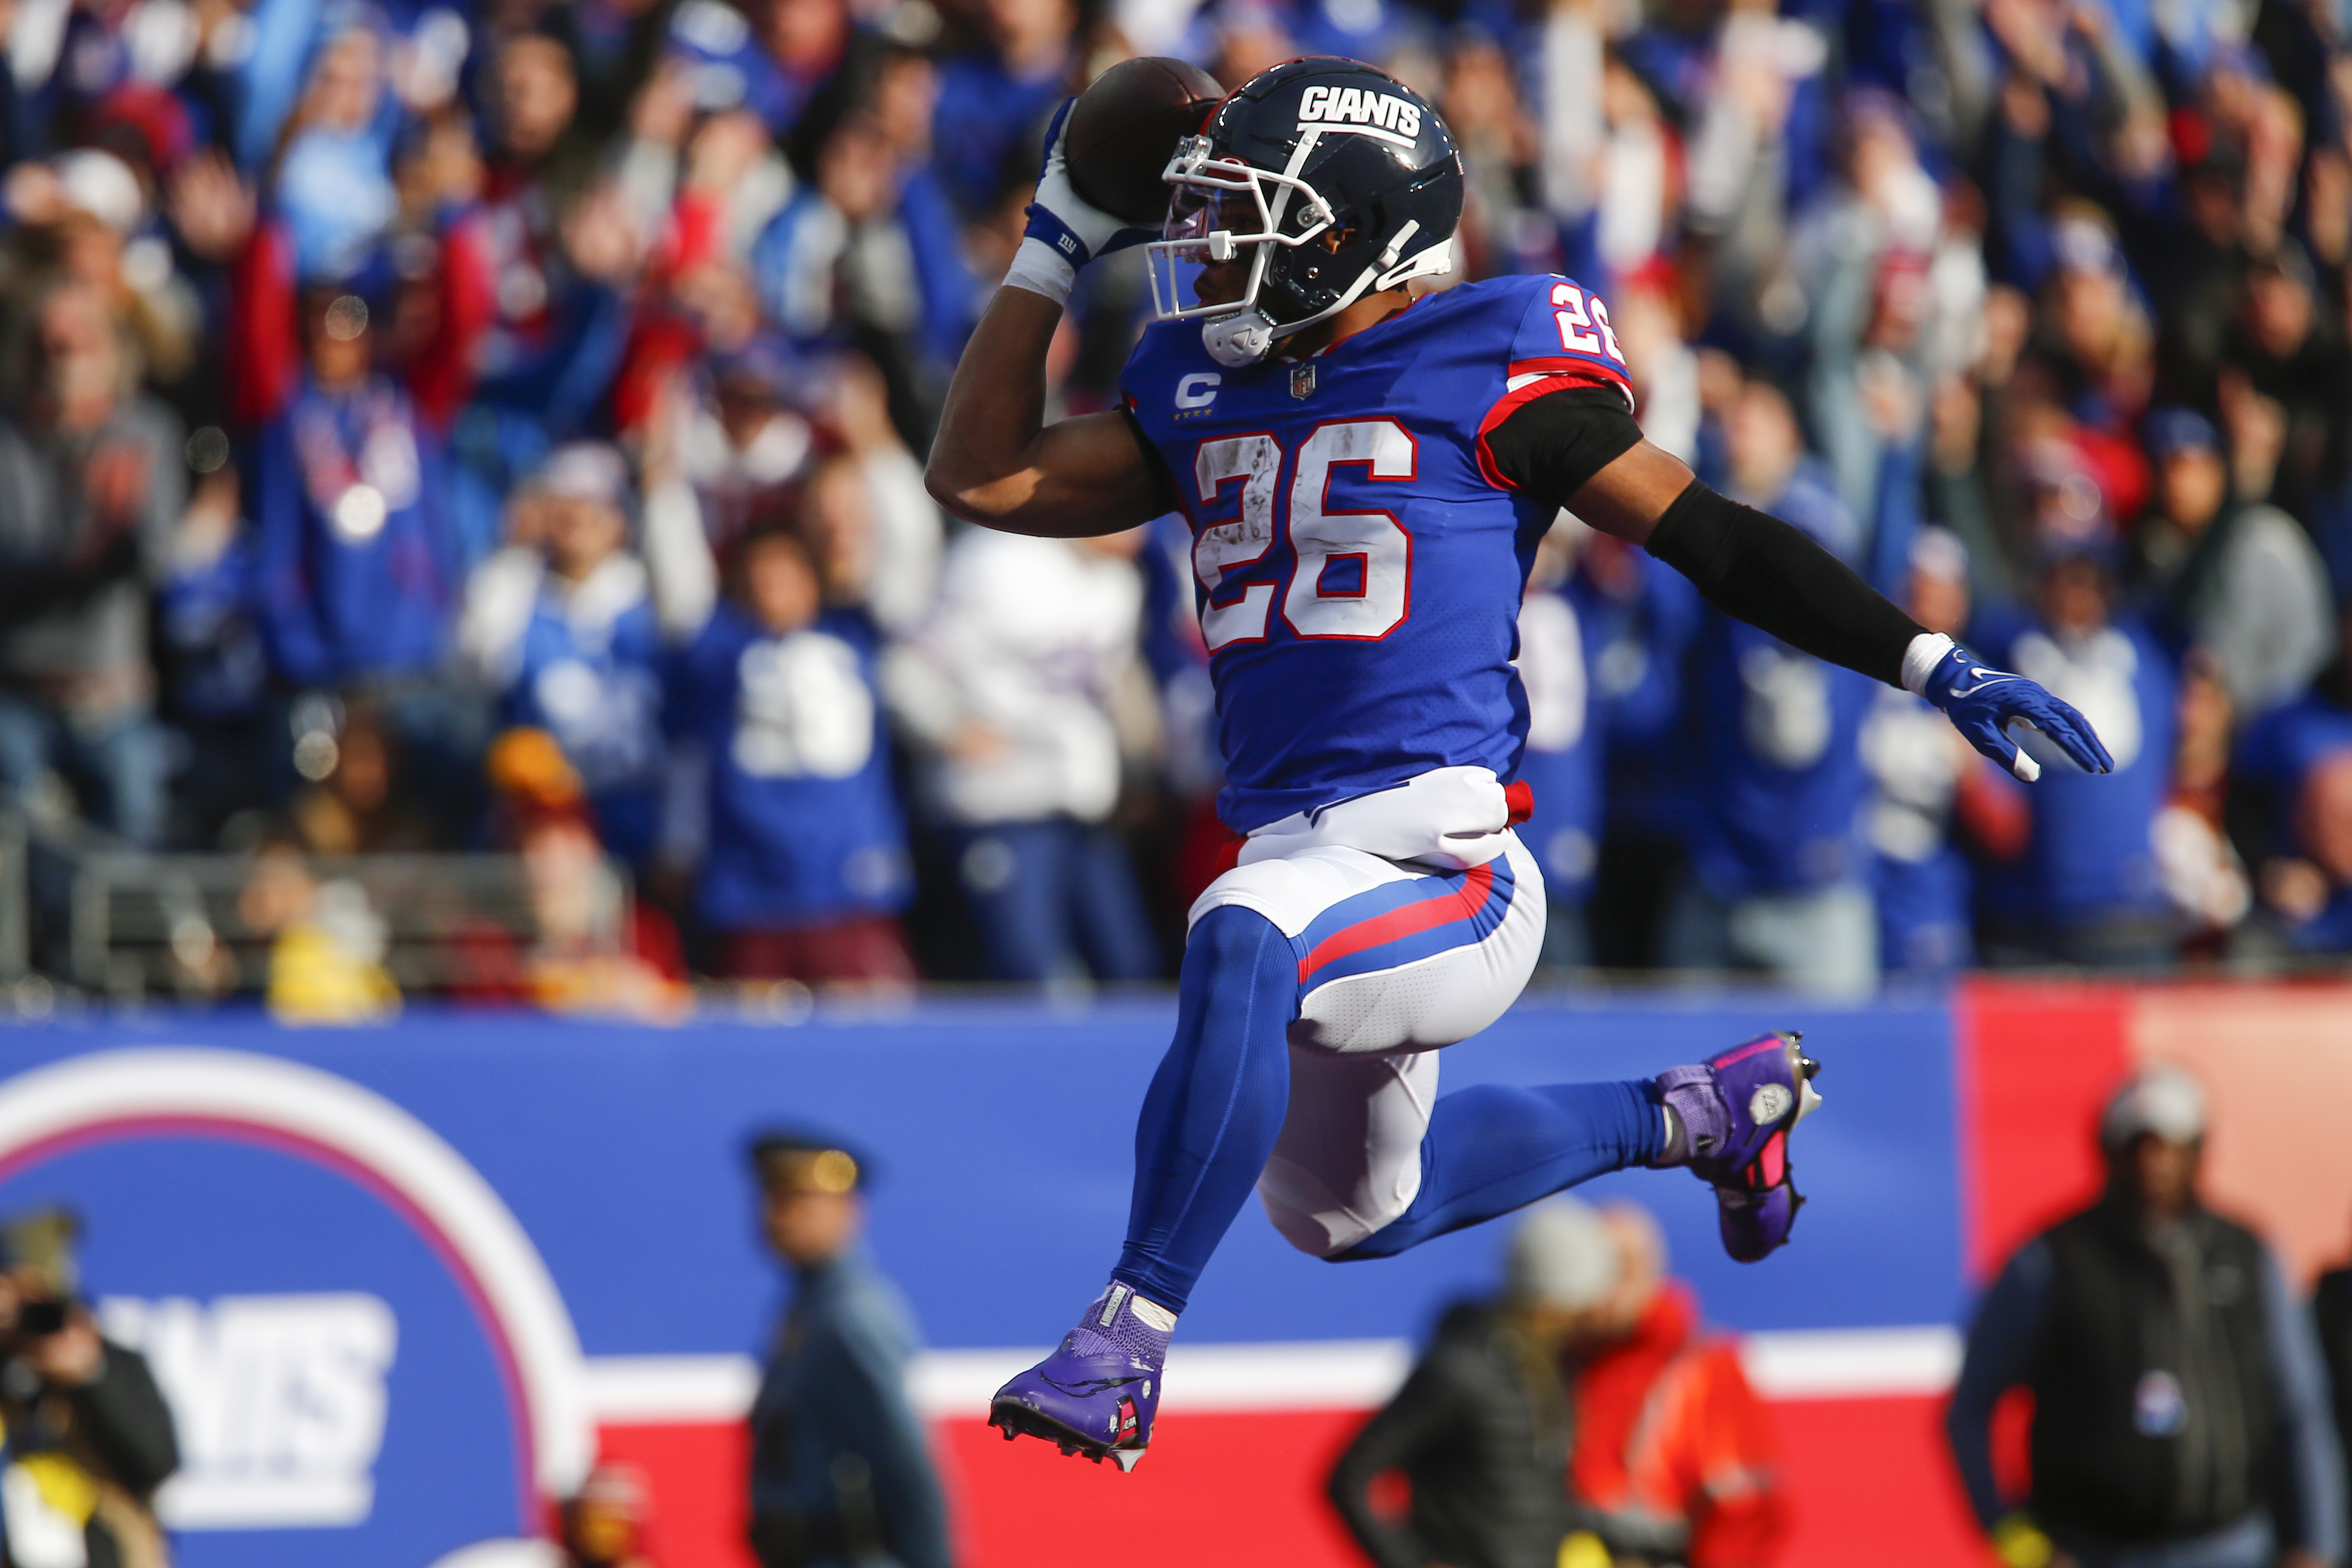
497 424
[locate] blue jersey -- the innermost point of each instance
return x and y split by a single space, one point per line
804 824
589 672
2093 853
1357 558
1780 781
355 558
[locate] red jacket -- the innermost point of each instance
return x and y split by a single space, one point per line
1667 1428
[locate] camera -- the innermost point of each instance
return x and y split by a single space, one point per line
38 1319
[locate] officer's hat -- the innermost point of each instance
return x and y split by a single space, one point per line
802 1160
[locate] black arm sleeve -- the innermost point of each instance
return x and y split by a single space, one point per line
1551 445
1760 570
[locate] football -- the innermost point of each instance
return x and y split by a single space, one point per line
1125 127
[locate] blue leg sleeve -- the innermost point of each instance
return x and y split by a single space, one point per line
1493 1149
1215 1105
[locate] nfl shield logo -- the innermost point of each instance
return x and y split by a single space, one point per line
1302 381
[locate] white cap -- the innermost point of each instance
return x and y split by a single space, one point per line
1937 553
103 185
2163 1099
1564 1256
586 470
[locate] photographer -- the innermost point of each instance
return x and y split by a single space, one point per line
89 1437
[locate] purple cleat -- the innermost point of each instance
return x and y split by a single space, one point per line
1737 1110
1095 1395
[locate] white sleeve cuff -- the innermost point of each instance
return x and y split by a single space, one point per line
1042 269
1925 652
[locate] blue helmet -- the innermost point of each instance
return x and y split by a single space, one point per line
1330 178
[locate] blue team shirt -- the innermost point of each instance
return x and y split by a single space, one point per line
2092 857
804 823
352 593
1779 781
1357 558
2275 758
596 686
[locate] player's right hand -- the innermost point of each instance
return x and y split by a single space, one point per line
1986 704
1075 227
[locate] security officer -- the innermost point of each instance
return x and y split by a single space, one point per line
841 1477
2179 1410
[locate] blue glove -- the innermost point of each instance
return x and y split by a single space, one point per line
1077 229
1983 704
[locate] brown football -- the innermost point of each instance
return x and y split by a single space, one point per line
1125 127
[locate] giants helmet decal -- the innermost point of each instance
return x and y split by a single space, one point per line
1330 178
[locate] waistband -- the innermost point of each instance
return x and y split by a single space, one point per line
1453 817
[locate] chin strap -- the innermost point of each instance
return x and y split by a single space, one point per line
1241 339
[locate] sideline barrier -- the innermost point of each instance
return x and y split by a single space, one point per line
404 1281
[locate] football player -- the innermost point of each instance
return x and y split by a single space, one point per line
1366 475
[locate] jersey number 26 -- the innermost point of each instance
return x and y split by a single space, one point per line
1353 579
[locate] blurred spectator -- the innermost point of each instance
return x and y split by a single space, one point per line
91 483
742 442
2291 352
84 1414
1481 1430
1018 687
2331 1316
568 627
333 185
874 530
88 215
841 1465
994 99
2297 762
357 565
592 949
1558 647
2180 1409
862 257
530 324
1931 790
1645 617
2087 888
326 944
214 673
770 57
363 802
1778 882
604 1521
1673 1458
2203 874
794 820
2241 582
1590 1363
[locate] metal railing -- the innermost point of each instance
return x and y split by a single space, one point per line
80 907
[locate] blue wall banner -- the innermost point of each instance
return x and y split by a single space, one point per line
375 1268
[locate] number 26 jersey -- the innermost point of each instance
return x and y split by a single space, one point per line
1357 558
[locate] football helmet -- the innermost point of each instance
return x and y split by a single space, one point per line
1330 178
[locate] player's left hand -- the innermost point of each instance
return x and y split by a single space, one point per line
1064 219
1983 703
